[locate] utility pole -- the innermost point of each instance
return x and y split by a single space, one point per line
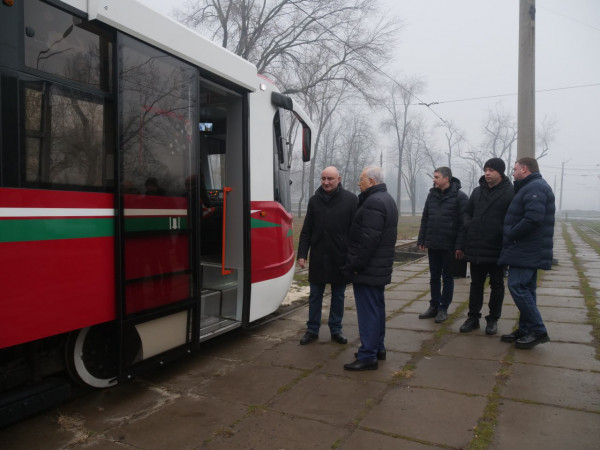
526 102
562 178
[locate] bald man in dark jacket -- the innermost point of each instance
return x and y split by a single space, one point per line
325 235
369 264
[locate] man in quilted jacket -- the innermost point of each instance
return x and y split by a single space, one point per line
441 233
369 264
527 246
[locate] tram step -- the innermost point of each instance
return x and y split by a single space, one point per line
20 403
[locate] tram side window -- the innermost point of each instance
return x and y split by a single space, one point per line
67 46
64 107
65 136
158 95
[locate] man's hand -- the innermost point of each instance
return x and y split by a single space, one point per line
302 262
421 247
460 254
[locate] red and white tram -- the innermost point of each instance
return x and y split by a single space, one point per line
144 190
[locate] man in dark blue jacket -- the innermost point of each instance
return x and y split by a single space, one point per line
527 247
325 234
369 264
483 242
441 233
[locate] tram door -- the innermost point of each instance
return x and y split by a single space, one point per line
221 182
158 145
182 209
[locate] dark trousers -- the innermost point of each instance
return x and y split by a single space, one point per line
479 273
439 269
522 284
370 310
315 305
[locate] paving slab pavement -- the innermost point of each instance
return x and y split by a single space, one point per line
438 388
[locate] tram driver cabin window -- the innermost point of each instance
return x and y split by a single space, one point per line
66 102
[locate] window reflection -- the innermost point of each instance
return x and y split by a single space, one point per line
64 136
158 97
64 45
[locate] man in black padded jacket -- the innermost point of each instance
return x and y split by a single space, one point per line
484 220
325 234
369 264
442 233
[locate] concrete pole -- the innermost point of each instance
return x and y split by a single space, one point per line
562 182
526 103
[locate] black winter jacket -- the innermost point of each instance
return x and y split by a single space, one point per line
484 219
442 219
529 225
325 234
372 241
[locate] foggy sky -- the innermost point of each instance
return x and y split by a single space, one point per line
466 49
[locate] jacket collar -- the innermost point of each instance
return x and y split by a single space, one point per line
528 179
381 187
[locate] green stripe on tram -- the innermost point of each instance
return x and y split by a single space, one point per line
257 223
52 229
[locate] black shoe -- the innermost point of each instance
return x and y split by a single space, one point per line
441 316
470 324
512 337
531 340
492 327
339 338
362 364
381 355
308 338
431 312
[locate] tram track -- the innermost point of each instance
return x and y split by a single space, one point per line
590 233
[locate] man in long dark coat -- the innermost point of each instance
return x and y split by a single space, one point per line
325 235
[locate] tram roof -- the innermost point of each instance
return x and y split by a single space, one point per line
150 26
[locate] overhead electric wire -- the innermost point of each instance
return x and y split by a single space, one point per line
510 95
430 104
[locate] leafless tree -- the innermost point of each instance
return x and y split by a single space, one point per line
322 102
545 136
415 157
500 136
399 97
453 138
357 151
281 36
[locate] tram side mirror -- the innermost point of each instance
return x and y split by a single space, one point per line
306 143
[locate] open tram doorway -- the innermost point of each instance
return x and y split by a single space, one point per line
222 199
181 205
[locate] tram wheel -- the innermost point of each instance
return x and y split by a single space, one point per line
91 356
